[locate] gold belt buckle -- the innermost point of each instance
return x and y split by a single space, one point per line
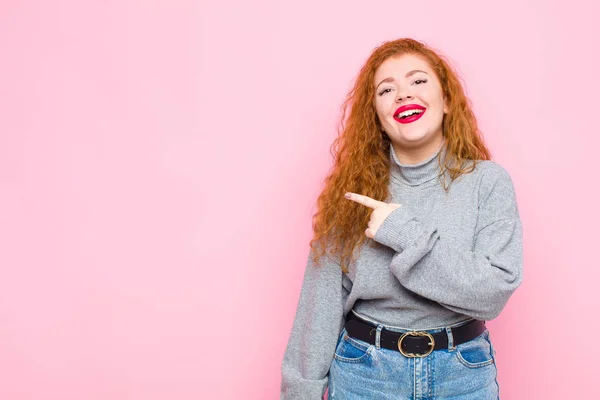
416 333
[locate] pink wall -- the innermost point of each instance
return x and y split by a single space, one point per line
159 162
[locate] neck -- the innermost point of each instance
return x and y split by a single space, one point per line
424 169
414 155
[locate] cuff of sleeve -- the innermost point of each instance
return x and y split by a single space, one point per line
399 229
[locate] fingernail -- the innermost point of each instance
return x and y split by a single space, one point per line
347 195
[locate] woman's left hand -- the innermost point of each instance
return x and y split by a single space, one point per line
380 211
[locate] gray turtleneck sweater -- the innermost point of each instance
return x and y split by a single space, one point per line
440 258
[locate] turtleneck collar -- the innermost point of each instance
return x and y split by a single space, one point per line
417 174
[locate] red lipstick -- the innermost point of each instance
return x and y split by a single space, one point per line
410 118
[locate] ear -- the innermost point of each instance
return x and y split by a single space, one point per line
445 105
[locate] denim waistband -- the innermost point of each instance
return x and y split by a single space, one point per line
402 329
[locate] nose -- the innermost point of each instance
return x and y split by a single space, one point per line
401 97
403 94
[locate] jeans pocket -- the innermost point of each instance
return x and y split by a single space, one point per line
477 352
351 350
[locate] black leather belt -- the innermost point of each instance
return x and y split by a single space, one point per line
414 343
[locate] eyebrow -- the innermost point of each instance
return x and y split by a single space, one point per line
409 73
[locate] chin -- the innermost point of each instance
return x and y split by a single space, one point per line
416 137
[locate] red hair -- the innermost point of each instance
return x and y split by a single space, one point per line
361 151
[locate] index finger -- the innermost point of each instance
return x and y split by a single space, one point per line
364 200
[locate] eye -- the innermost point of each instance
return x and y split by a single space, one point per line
417 82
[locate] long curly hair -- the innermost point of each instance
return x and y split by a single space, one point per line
361 152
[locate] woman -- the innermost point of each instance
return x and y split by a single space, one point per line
417 242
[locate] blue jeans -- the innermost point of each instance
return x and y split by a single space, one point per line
360 370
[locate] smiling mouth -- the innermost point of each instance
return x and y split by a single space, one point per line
409 113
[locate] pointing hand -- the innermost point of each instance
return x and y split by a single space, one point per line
380 211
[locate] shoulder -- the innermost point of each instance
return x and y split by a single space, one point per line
484 174
494 180
490 171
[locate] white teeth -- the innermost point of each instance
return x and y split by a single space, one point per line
409 112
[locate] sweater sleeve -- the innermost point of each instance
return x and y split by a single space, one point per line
315 330
476 282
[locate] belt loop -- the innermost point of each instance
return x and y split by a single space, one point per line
451 346
378 336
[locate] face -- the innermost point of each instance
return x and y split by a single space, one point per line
409 100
